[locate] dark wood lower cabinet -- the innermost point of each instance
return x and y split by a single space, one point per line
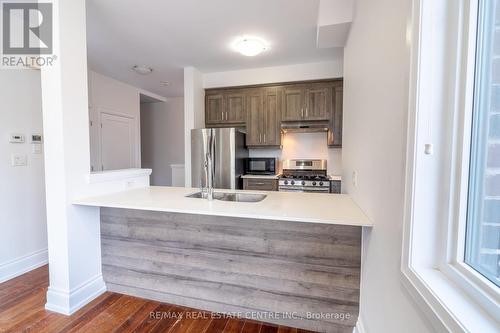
259 184
336 186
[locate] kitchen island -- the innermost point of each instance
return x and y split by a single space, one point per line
292 259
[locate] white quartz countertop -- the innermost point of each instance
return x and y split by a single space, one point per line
284 206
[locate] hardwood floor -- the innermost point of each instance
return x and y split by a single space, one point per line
22 302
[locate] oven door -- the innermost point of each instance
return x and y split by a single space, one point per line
303 189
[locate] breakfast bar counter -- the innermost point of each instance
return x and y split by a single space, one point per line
283 206
292 259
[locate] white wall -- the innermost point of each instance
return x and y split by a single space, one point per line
23 232
162 138
334 22
107 95
194 113
376 84
305 145
299 72
335 11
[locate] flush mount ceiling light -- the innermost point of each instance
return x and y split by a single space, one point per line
143 70
250 46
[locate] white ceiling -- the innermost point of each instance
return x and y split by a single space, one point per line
169 35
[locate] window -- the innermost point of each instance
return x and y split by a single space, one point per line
450 260
482 248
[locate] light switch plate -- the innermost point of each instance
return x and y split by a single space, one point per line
16 138
37 148
19 160
36 138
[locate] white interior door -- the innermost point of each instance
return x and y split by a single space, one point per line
118 142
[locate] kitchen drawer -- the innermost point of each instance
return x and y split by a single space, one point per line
259 184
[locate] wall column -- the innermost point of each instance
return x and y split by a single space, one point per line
73 232
194 113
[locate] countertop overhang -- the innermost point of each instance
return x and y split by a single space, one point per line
284 206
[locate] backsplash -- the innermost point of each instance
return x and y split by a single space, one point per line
305 145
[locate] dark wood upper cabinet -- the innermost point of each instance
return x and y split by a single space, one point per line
263 117
262 109
255 108
293 103
225 108
214 108
318 102
307 102
235 107
336 119
271 128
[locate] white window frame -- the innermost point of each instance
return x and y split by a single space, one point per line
455 296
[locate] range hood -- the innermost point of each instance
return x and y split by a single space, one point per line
304 127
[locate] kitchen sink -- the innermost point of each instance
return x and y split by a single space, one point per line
241 197
227 196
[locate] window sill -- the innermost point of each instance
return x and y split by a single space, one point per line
443 301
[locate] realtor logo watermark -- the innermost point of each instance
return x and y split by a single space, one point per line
27 34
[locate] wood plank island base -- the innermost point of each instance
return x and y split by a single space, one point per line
303 275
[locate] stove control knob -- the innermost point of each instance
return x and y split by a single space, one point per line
314 183
286 182
303 183
320 183
293 182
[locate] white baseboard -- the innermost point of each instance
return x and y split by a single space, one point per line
360 328
24 264
67 303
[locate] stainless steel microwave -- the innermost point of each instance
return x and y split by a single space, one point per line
261 166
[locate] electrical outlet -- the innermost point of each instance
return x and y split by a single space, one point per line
19 160
355 178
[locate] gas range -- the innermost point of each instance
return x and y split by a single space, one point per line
304 176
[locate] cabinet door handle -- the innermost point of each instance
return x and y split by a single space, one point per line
302 112
226 115
260 137
264 137
307 109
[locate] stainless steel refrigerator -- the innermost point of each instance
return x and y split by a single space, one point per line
228 148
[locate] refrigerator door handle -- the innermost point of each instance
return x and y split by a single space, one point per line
214 157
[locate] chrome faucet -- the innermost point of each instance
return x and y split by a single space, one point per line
209 167
209 176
